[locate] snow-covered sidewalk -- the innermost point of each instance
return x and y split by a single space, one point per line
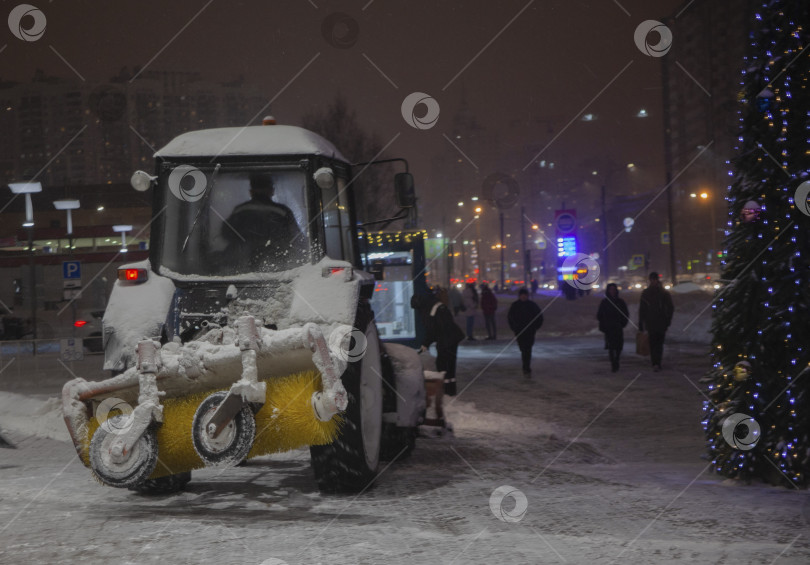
610 467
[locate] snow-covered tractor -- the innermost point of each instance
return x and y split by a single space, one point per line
248 330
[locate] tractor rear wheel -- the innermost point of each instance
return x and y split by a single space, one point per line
349 464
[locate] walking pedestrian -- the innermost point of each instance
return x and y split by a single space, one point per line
525 318
441 329
655 315
470 305
489 303
613 317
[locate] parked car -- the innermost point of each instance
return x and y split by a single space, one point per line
88 327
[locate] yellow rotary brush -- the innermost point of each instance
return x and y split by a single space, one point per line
285 422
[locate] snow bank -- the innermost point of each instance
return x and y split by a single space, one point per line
32 416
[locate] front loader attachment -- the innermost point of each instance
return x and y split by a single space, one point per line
232 394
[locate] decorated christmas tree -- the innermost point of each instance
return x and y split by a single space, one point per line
757 421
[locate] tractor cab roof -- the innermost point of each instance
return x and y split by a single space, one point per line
249 141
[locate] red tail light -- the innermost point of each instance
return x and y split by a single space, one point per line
80 323
132 275
345 271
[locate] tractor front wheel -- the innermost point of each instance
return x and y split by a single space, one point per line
112 470
233 443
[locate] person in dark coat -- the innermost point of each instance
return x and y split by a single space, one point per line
525 318
613 317
443 330
489 303
655 315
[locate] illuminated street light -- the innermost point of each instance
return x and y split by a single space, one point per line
461 203
123 229
458 220
704 195
67 205
26 188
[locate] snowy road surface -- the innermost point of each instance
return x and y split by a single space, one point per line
610 466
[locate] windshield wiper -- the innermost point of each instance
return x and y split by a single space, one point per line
204 205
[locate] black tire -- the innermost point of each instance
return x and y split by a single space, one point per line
397 443
140 464
349 464
233 443
163 485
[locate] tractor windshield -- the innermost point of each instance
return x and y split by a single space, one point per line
223 222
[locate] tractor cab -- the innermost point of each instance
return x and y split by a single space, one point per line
242 218
248 202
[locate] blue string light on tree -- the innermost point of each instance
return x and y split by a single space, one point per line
764 100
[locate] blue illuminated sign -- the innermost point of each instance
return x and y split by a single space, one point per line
566 246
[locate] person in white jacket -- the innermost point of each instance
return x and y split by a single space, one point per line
470 302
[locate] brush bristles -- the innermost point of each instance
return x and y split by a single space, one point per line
285 422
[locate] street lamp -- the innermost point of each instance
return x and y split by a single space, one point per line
68 205
123 229
28 188
705 196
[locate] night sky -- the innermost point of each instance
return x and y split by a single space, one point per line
528 70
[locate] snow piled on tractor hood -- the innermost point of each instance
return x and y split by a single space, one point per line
135 311
253 140
324 300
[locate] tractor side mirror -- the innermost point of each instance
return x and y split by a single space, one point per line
403 187
324 178
141 181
